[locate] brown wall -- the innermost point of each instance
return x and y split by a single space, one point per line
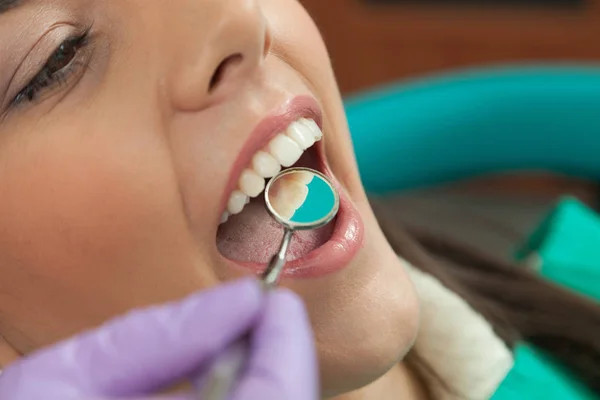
370 44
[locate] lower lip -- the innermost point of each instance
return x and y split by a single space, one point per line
333 255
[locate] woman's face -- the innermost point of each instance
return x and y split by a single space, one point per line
125 127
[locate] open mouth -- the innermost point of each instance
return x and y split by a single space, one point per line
248 236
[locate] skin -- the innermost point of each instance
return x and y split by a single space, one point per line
111 200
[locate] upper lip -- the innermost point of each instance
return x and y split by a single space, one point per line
274 123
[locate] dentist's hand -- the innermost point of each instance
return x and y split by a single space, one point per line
149 350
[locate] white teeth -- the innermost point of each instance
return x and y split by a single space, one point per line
301 134
313 127
251 183
265 165
237 201
285 150
224 217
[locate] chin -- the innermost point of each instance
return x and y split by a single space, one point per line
365 317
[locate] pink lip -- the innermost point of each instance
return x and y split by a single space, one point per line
269 127
337 252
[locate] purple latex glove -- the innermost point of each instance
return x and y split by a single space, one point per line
154 348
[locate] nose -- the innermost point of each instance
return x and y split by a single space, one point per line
234 43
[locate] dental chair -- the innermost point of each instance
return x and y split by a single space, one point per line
490 121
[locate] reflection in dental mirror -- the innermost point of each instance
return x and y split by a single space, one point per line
301 198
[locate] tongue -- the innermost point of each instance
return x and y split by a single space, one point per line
254 236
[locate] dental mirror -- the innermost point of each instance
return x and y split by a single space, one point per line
299 199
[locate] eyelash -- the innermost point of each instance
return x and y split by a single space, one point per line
50 76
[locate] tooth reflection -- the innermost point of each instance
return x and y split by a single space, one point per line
289 193
303 176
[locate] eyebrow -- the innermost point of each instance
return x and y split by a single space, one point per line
6 5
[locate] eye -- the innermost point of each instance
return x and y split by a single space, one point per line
63 56
59 67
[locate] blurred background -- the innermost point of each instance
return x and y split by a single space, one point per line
376 42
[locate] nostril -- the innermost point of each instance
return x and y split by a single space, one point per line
223 68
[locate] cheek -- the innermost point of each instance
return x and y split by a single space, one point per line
87 216
79 189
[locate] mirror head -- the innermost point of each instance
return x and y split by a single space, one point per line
302 199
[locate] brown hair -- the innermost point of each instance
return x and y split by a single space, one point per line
518 304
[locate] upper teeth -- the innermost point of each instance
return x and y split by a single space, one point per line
285 150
